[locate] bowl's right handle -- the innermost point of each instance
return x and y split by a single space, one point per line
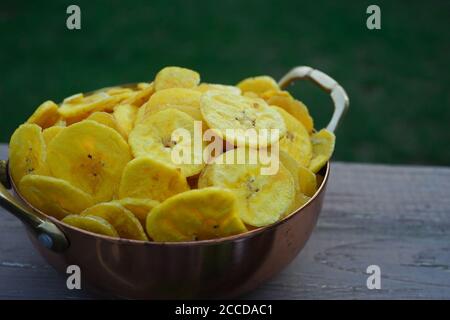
48 234
338 94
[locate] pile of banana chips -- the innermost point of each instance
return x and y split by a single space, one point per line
109 162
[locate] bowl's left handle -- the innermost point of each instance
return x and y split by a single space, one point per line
48 234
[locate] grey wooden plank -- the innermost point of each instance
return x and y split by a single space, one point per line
396 217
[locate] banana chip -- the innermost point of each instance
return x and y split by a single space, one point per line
153 137
223 111
176 77
185 100
304 179
296 140
144 85
139 207
51 133
46 115
123 220
204 87
92 224
175 96
125 115
141 96
106 119
119 93
148 178
323 147
262 199
308 181
113 91
191 111
76 111
258 85
292 166
73 99
250 94
27 154
195 215
53 196
296 108
140 115
91 156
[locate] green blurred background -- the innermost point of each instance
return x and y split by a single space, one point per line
397 77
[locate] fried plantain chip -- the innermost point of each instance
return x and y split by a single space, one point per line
195 215
91 156
53 196
123 220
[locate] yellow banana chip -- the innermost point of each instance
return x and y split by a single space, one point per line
296 108
191 111
75 112
46 115
91 156
139 207
144 85
250 94
258 84
195 215
61 123
204 87
231 115
123 220
323 147
27 153
175 96
92 224
50 133
140 115
141 96
304 179
53 196
262 199
308 181
73 99
292 166
106 119
149 178
125 115
118 91
186 100
176 77
296 140
154 137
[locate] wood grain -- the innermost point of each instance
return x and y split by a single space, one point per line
396 217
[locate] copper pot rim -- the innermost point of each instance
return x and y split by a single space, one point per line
238 237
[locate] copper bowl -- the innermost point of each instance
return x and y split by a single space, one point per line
219 268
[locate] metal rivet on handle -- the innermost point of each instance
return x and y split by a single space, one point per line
45 240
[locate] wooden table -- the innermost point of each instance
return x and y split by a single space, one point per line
396 217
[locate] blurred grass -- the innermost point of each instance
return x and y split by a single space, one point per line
397 78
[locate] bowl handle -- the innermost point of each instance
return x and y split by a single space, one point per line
338 94
45 231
